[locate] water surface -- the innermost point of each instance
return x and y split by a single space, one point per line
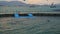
37 25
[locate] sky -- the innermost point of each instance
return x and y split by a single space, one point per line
37 1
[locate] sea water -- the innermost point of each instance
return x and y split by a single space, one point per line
24 9
38 25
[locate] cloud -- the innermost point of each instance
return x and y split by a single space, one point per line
36 1
10 0
43 1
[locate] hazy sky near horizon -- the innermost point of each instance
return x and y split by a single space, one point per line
36 1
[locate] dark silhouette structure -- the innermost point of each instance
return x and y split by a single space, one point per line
52 5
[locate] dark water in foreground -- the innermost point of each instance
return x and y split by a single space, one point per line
38 25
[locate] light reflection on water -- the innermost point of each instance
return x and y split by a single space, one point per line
38 25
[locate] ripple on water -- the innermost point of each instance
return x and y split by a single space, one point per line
39 25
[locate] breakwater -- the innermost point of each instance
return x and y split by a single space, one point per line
34 14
